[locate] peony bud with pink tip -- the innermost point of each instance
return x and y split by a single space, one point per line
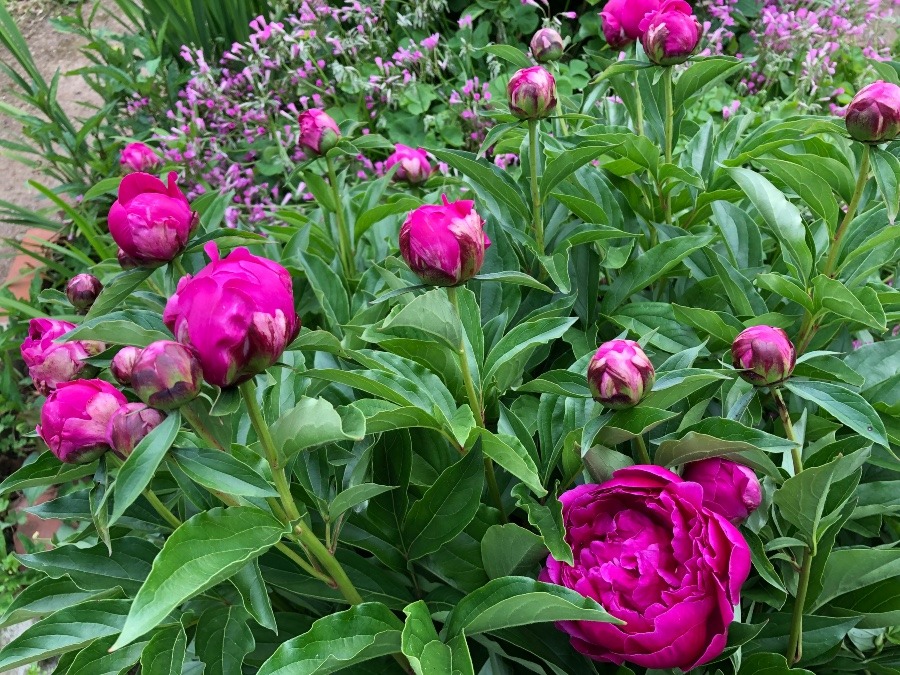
730 489
123 363
444 244
82 290
671 34
129 424
137 157
532 93
150 221
620 374
764 355
318 132
873 115
613 29
166 375
413 166
75 419
546 45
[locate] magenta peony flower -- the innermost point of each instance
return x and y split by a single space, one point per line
764 355
730 489
129 424
444 244
613 29
620 374
75 418
166 375
151 222
873 115
670 35
413 164
123 363
318 132
137 157
82 290
631 13
646 548
532 93
50 362
254 318
546 45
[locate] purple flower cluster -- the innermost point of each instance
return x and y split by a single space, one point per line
472 100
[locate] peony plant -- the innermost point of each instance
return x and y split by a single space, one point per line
626 407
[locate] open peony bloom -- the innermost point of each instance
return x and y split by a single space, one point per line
444 244
730 489
166 375
413 166
671 34
546 45
531 93
51 362
613 28
873 115
82 290
646 548
237 315
764 355
139 157
318 132
75 418
150 221
129 424
620 374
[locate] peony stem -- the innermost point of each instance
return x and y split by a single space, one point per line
475 403
861 181
643 456
537 223
788 429
344 243
302 564
331 565
162 509
638 106
669 141
795 641
248 391
200 428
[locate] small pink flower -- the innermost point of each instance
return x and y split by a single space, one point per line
51 362
546 45
873 115
671 34
532 93
730 489
75 419
764 355
319 133
620 374
139 157
413 165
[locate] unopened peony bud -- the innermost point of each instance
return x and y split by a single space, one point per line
671 34
444 244
546 45
532 93
82 290
166 375
730 489
137 157
318 132
50 360
123 363
764 355
75 419
413 166
129 424
620 374
873 115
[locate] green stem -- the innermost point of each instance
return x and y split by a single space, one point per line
329 563
643 456
248 391
788 429
537 223
302 564
475 404
670 137
861 180
639 107
795 641
345 245
162 509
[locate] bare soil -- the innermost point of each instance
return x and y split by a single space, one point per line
52 51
